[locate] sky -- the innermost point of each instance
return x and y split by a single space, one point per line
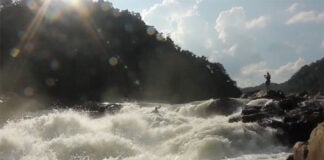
249 38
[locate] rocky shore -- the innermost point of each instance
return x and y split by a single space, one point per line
295 117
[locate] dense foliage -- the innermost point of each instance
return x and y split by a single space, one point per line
308 78
94 51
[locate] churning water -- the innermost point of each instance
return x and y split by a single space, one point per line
176 132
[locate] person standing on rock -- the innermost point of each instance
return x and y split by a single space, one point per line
267 83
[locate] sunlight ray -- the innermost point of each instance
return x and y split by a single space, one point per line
33 26
89 25
29 35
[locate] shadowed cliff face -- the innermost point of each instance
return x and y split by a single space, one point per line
94 52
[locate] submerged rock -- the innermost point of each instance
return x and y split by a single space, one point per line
100 108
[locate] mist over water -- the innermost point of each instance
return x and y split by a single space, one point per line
177 132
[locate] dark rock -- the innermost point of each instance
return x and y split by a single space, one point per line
264 94
224 106
294 117
253 117
303 94
259 94
272 108
272 123
236 118
99 108
251 110
313 149
275 94
300 150
290 157
302 120
290 102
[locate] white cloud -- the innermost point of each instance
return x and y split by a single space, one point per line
286 71
233 39
253 74
236 43
180 19
306 17
255 68
228 21
259 22
234 22
322 44
293 7
166 14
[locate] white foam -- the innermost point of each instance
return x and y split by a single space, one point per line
175 133
259 102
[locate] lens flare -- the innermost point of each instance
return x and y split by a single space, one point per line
72 2
113 61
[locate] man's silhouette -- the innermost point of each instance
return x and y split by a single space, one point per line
267 83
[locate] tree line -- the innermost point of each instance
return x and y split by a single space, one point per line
94 52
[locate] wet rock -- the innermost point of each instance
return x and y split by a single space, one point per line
275 95
300 151
99 108
302 120
290 102
258 102
258 110
250 110
273 124
313 149
272 108
253 117
235 118
316 143
224 106
290 157
294 117
264 94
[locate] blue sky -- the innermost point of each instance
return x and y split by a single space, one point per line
248 37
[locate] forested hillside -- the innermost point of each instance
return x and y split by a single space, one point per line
308 78
93 51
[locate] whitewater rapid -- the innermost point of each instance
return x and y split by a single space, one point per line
177 132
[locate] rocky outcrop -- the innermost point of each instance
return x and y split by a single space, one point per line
96 108
293 116
313 149
300 151
264 94
316 143
224 106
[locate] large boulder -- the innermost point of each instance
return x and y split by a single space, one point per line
313 149
316 143
291 102
300 151
294 117
260 109
224 106
302 120
264 94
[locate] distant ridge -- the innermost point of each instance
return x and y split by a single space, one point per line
309 78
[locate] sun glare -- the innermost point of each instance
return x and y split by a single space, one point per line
74 3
